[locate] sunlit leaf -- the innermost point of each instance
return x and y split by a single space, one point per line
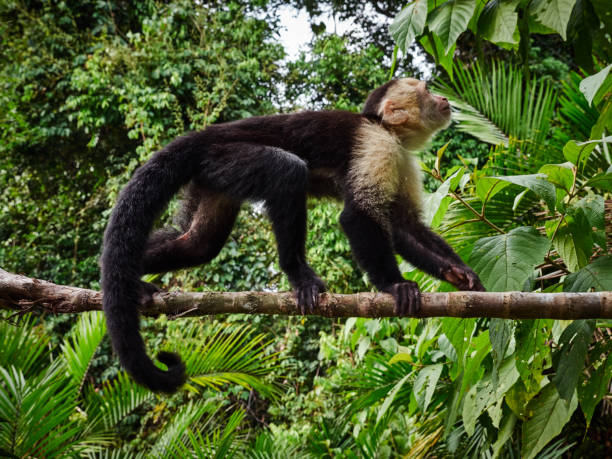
450 19
553 14
409 23
505 262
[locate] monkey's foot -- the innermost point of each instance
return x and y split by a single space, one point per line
463 278
147 290
307 294
407 298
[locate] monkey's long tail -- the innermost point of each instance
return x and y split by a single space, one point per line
125 238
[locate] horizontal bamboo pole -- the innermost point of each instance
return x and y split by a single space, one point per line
25 294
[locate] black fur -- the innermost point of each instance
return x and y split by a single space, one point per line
276 159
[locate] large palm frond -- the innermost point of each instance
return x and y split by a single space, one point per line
219 354
496 105
23 345
78 350
117 399
206 442
37 414
190 416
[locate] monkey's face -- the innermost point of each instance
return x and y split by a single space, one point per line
408 104
435 110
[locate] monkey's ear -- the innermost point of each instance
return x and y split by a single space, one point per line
393 115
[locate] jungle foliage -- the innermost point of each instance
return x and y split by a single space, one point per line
520 185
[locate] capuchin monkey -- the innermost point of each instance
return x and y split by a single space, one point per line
363 159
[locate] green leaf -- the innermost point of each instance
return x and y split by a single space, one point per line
487 187
577 153
390 397
591 85
593 207
78 351
487 393
500 334
433 45
532 352
450 19
24 346
570 356
596 385
506 261
560 175
409 24
573 238
596 276
550 414
601 181
498 22
459 332
553 14
425 385
504 434
401 357
435 204
537 183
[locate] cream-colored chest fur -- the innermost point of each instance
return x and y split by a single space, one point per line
384 169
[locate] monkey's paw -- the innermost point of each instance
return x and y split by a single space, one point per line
307 294
463 278
407 298
147 290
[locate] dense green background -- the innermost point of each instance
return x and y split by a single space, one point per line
89 90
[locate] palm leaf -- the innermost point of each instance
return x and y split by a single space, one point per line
229 354
377 379
23 346
118 399
37 413
270 446
78 351
471 121
496 106
177 430
218 444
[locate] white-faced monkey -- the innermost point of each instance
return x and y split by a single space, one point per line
364 159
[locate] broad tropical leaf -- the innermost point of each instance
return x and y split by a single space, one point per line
554 14
596 275
569 358
505 262
451 19
409 23
550 414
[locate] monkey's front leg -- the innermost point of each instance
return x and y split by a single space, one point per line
430 253
374 253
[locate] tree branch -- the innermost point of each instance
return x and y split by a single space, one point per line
25 294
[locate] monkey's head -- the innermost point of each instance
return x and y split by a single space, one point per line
407 105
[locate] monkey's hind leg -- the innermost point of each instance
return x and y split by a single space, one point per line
280 179
212 216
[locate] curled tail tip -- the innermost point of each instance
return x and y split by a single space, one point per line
173 378
147 374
